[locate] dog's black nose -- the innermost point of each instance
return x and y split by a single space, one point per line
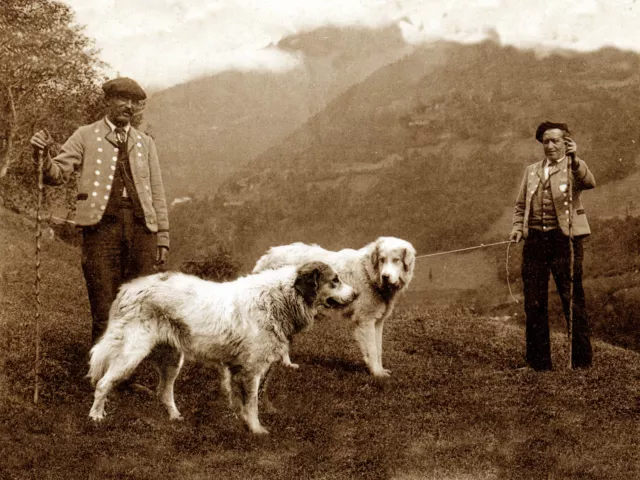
385 278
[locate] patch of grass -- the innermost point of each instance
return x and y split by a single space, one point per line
454 407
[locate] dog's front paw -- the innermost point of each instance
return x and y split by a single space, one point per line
292 365
97 417
259 430
382 373
176 417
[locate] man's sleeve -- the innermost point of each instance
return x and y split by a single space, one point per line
518 214
584 179
158 197
57 171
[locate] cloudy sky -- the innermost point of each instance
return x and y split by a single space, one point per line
165 42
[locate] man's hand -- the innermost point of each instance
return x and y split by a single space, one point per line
571 146
161 256
515 236
41 140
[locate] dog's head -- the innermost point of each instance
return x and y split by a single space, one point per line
390 262
320 285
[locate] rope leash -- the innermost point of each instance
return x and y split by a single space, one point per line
482 245
54 219
61 220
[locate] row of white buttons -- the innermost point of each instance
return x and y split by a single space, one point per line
97 172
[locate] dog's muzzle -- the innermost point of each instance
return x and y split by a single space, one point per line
391 286
339 302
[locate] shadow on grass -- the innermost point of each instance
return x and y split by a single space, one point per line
333 363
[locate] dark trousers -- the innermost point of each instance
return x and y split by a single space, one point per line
543 253
116 250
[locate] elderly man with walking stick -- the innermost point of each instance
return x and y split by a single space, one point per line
121 206
550 217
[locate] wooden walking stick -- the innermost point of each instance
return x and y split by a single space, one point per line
570 160
39 157
37 279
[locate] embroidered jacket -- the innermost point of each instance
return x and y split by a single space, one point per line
532 183
93 149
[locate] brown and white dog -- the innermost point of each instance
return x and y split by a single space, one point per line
244 325
379 272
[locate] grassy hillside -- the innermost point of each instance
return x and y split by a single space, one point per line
207 129
455 406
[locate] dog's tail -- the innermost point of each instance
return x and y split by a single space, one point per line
123 309
100 360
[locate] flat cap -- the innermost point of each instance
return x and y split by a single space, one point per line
124 86
544 126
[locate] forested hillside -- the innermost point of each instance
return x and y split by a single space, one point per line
50 77
431 148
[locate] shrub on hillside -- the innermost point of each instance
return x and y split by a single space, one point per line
613 248
218 266
613 304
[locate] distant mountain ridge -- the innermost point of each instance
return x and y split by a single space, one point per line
208 128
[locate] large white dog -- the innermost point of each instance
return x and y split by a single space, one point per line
379 272
244 325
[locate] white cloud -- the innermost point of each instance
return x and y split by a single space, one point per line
164 42
575 24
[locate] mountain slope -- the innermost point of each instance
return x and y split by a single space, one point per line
433 146
207 128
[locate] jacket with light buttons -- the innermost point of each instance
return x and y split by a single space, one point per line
93 149
582 179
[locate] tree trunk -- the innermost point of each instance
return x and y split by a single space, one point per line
7 151
5 158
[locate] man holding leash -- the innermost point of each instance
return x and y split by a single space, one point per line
549 215
121 206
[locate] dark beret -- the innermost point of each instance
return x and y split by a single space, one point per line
124 86
544 126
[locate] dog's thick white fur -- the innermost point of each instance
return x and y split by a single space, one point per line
379 272
244 325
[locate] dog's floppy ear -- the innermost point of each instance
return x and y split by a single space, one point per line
371 260
408 258
307 280
375 256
